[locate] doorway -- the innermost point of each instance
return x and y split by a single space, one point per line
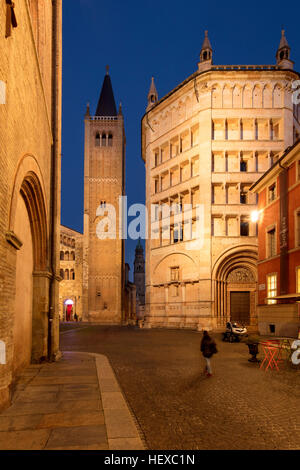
240 307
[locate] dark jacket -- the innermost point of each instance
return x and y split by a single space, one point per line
208 347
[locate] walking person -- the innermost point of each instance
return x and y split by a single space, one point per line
208 348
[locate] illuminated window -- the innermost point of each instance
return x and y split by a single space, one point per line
271 288
298 280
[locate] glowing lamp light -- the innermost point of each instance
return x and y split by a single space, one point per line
69 302
254 216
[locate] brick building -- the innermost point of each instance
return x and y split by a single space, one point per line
30 143
279 245
104 183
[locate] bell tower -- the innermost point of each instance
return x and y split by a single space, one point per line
104 183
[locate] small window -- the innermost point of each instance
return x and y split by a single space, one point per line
73 256
72 275
62 274
243 166
272 193
67 256
97 142
271 288
178 235
271 243
244 229
110 140
103 140
62 256
67 275
243 197
175 274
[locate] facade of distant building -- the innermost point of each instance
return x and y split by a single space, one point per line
129 299
206 142
279 246
104 183
30 136
70 288
139 273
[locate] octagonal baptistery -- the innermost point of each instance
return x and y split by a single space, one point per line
204 144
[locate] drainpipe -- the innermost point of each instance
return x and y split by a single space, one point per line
55 171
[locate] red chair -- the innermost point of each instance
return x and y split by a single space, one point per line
272 352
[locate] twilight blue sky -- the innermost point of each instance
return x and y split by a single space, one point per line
142 38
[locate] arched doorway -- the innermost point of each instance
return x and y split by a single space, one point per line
22 331
68 310
28 222
235 283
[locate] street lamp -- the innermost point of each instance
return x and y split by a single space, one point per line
254 216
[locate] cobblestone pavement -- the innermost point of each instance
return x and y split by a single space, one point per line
160 372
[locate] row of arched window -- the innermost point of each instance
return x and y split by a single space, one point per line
67 275
67 241
66 256
103 140
247 96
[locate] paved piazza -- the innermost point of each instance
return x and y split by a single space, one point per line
160 373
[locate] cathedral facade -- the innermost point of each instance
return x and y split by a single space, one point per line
204 144
30 136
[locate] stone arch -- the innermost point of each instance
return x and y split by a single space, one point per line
277 96
235 271
227 97
216 96
267 97
28 227
237 97
257 96
247 97
29 183
32 194
172 254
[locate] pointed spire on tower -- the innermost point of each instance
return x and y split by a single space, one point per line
106 104
152 95
206 43
283 53
205 54
87 113
120 113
